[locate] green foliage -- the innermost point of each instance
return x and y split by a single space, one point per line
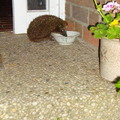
118 16
109 27
105 30
58 119
113 32
117 85
99 30
108 19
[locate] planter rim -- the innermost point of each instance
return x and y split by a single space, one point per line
110 39
114 40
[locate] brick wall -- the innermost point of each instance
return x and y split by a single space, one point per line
80 14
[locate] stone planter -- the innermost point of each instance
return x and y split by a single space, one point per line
110 59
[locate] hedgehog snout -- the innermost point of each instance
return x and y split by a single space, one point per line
63 32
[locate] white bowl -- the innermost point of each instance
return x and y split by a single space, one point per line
62 40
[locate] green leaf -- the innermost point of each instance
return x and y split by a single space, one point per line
118 16
108 18
92 29
58 119
102 26
113 32
119 91
99 7
117 85
99 33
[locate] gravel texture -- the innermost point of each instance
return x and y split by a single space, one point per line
46 81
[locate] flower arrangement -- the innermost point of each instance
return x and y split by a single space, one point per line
109 27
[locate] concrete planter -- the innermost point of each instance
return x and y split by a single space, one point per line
110 59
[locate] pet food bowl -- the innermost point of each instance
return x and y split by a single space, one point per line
62 40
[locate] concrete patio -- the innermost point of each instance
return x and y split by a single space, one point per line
46 81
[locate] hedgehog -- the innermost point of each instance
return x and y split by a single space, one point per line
41 27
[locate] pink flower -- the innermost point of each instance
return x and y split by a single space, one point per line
109 6
115 11
116 4
118 8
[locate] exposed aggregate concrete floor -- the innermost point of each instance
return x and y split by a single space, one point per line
46 81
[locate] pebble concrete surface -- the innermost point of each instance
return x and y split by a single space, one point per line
48 81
